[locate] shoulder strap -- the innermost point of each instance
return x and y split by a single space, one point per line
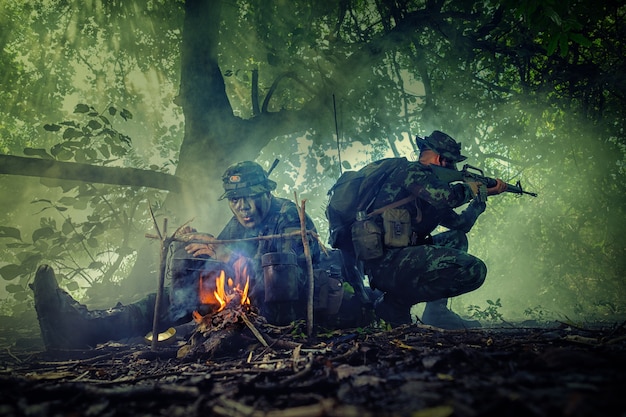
391 206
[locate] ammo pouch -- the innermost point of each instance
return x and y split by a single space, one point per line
367 236
397 226
367 239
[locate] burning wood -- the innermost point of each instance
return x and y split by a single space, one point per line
220 292
224 316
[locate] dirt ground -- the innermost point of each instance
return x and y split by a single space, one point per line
416 371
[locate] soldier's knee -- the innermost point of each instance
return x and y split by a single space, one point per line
478 272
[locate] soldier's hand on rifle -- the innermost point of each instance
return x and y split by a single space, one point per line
475 186
499 188
479 190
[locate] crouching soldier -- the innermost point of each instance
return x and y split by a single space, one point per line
406 202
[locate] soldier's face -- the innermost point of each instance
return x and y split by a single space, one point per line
446 163
250 210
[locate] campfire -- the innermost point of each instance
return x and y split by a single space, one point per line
218 293
224 314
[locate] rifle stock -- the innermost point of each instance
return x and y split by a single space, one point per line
471 173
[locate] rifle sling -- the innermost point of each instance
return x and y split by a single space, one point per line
391 206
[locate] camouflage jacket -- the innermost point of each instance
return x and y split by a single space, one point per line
435 202
282 218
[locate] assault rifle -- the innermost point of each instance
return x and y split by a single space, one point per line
471 173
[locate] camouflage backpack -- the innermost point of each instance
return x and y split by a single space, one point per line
355 191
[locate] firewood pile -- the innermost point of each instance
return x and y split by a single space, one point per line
413 370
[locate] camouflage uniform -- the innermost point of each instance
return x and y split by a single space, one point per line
438 266
432 267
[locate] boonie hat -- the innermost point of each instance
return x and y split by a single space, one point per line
244 179
443 144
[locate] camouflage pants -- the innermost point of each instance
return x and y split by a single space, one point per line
429 272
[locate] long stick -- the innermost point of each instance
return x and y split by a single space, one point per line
165 242
253 329
309 264
200 239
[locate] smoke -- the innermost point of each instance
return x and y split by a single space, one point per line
559 256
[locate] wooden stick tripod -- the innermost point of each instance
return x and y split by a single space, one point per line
175 237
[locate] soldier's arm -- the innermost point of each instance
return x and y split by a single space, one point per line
466 219
427 186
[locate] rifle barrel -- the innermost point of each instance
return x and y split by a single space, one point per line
517 189
449 175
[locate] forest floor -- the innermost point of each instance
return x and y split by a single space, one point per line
415 370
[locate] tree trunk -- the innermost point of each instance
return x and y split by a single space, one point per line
214 136
210 127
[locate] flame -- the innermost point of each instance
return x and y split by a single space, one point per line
242 276
197 317
218 291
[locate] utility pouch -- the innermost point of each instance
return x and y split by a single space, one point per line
327 292
320 289
335 295
366 238
397 225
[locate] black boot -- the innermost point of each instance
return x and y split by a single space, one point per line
437 314
391 311
67 324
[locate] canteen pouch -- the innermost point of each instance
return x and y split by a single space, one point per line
280 273
366 238
397 226
328 292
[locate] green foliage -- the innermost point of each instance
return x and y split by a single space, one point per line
11 232
92 142
538 313
90 233
490 313
555 25
298 329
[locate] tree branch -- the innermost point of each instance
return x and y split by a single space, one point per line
49 168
